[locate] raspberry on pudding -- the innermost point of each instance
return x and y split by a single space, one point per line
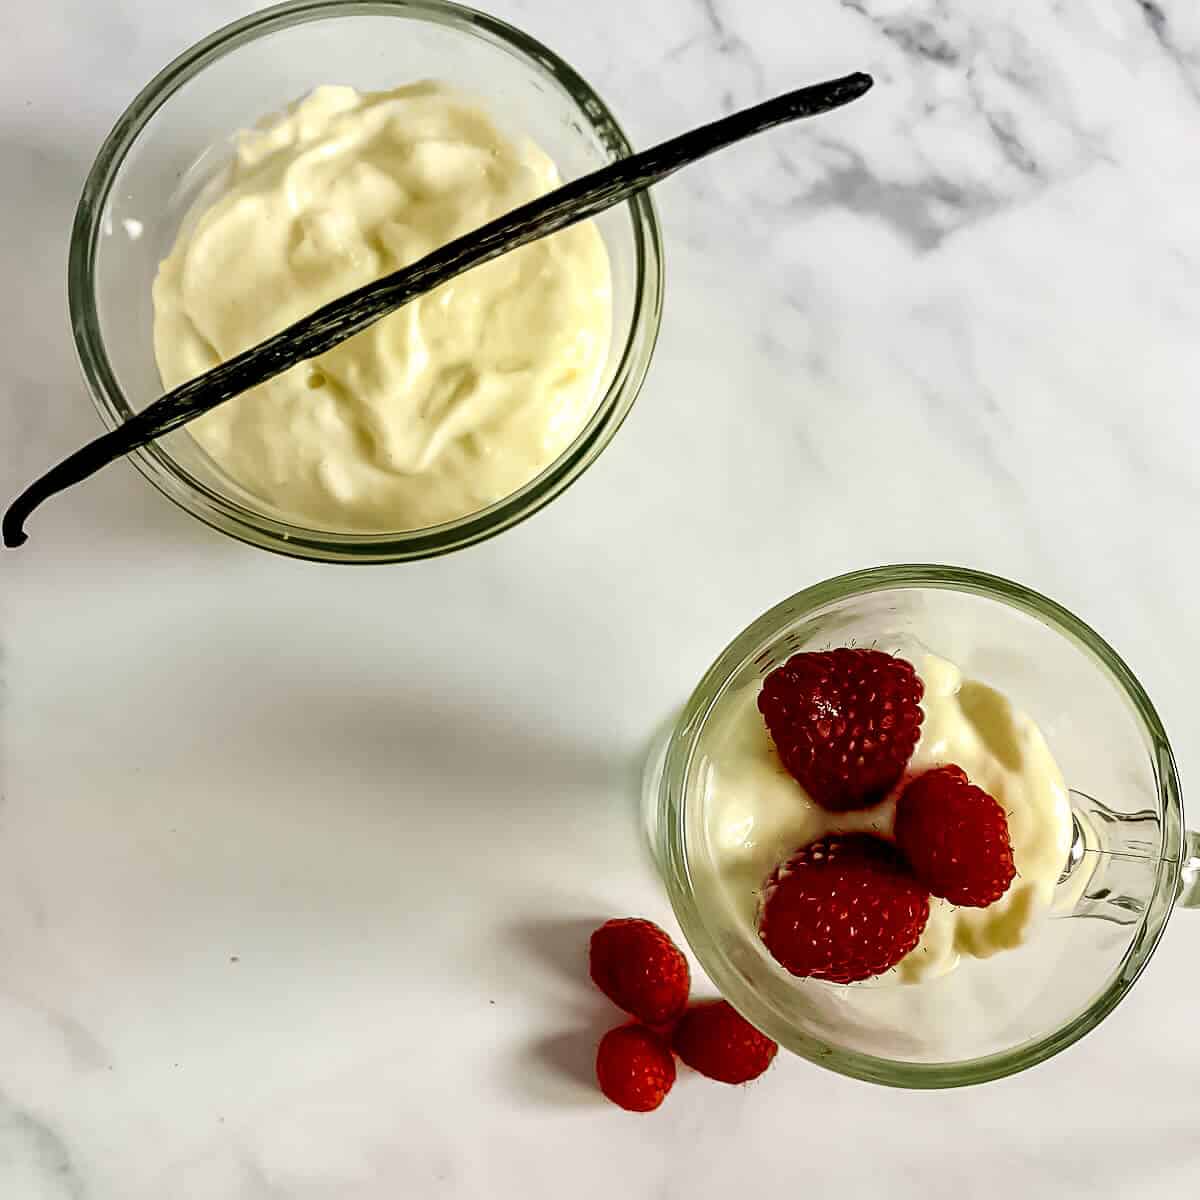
955 837
844 723
843 909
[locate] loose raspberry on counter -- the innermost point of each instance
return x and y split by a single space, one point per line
955 836
843 909
637 966
635 1068
845 723
716 1040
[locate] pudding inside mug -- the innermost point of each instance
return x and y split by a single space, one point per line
1129 862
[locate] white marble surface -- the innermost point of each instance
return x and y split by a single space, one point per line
296 862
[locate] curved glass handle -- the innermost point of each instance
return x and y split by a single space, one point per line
1111 850
1189 888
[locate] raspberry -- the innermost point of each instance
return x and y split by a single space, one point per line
845 723
716 1040
637 966
634 1068
955 836
843 909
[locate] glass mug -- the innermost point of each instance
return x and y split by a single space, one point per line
1129 865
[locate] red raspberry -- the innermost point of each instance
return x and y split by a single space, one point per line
634 1068
717 1041
843 909
845 723
637 966
956 837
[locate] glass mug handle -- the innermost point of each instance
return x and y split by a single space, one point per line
1105 875
1189 887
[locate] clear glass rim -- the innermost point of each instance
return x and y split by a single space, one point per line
672 827
259 529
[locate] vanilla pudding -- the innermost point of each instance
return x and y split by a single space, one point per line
441 408
757 814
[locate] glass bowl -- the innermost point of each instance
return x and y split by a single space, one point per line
176 135
1128 866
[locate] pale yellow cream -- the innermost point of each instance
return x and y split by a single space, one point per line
438 410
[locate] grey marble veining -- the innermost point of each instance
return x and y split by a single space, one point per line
37 1163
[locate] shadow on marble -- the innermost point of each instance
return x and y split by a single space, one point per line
387 751
561 945
241 740
559 1069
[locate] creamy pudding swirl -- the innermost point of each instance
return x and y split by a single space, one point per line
443 407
